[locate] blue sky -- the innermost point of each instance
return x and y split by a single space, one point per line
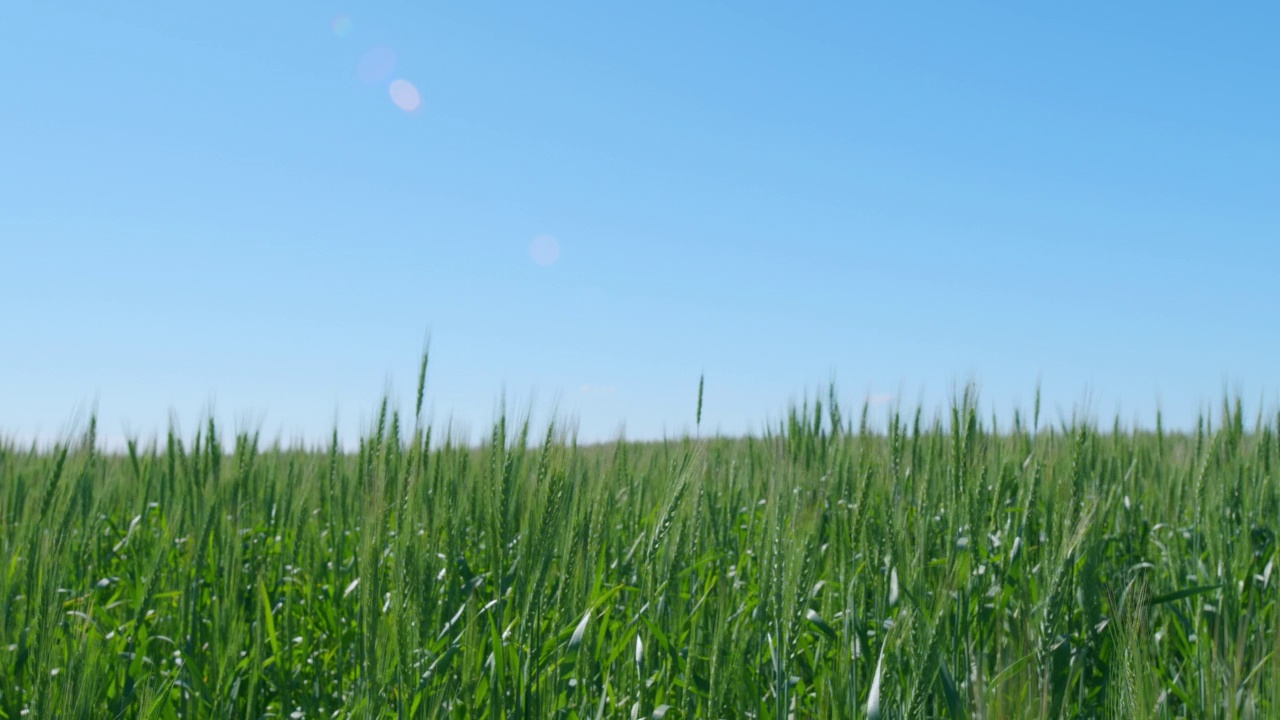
221 206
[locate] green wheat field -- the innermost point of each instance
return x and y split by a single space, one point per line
922 565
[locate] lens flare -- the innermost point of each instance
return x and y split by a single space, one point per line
544 250
405 95
376 65
341 25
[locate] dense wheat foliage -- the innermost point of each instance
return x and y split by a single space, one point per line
934 568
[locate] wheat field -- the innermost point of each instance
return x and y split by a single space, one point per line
927 567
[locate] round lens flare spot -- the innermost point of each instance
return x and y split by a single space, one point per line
376 65
405 95
341 25
544 250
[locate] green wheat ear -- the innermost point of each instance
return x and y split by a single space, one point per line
701 379
422 381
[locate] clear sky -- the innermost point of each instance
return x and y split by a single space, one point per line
262 207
